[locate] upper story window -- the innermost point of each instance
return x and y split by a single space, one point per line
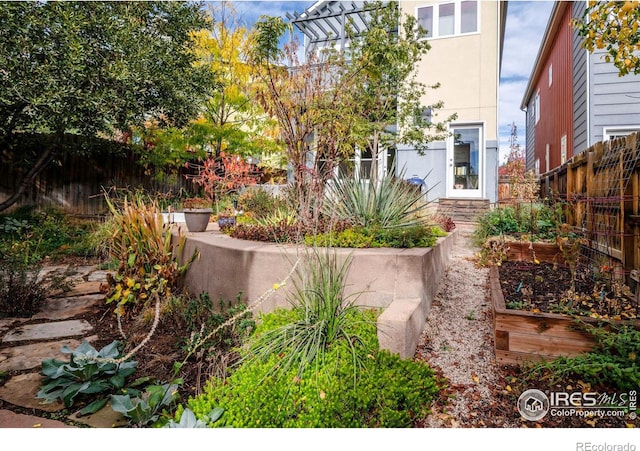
449 18
536 108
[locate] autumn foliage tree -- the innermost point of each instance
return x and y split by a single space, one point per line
309 102
614 27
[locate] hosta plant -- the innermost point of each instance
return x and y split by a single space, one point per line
87 375
188 419
147 407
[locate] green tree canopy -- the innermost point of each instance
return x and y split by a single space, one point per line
92 68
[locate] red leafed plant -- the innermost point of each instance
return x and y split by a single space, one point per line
225 174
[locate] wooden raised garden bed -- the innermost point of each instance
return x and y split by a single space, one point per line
521 335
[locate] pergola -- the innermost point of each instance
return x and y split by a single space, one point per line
325 22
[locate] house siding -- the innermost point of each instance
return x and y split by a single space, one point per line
556 101
614 100
580 83
530 138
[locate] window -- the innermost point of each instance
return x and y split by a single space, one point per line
618 132
449 19
563 149
537 166
469 22
536 107
550 74
446 19
425 19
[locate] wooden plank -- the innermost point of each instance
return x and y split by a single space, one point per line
516 358
543 326
501 340
548 346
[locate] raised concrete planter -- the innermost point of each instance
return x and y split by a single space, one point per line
402 282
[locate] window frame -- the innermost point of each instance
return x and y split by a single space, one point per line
618 131
457 18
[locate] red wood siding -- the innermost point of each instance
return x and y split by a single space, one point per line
556 101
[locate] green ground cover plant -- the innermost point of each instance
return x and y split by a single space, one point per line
614 362
534 221
386 392
31 234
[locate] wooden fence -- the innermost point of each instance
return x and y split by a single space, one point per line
600 190
76 184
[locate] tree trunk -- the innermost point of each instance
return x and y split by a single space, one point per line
45 159
373 177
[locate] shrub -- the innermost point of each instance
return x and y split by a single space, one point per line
388 391
21 292
614 362
258 202
32 235
535 220
142 243
282 232
323 316
360 237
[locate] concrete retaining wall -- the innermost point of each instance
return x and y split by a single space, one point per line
401 282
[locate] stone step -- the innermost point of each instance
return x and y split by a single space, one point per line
9 419
48 331
28 357
21 390
68 307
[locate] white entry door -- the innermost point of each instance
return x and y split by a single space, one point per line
465 162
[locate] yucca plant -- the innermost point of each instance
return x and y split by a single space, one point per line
323 315
390 202
142 243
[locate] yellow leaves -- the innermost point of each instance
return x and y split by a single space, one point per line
591 422
475 378
632 356
508 388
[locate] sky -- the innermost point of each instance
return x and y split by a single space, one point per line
526 22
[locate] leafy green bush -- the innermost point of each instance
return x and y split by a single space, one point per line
32 234
614 362
258 202
361 237
386 392
22 294
82 378
538 221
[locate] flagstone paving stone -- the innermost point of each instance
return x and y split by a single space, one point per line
79 289
21 390
9 419
8 323
48 331
98 276
68 307
103 418
28 357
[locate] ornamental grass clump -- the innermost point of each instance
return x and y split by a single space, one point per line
388 203
323 316
148 261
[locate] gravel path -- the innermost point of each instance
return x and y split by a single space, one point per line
458 340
